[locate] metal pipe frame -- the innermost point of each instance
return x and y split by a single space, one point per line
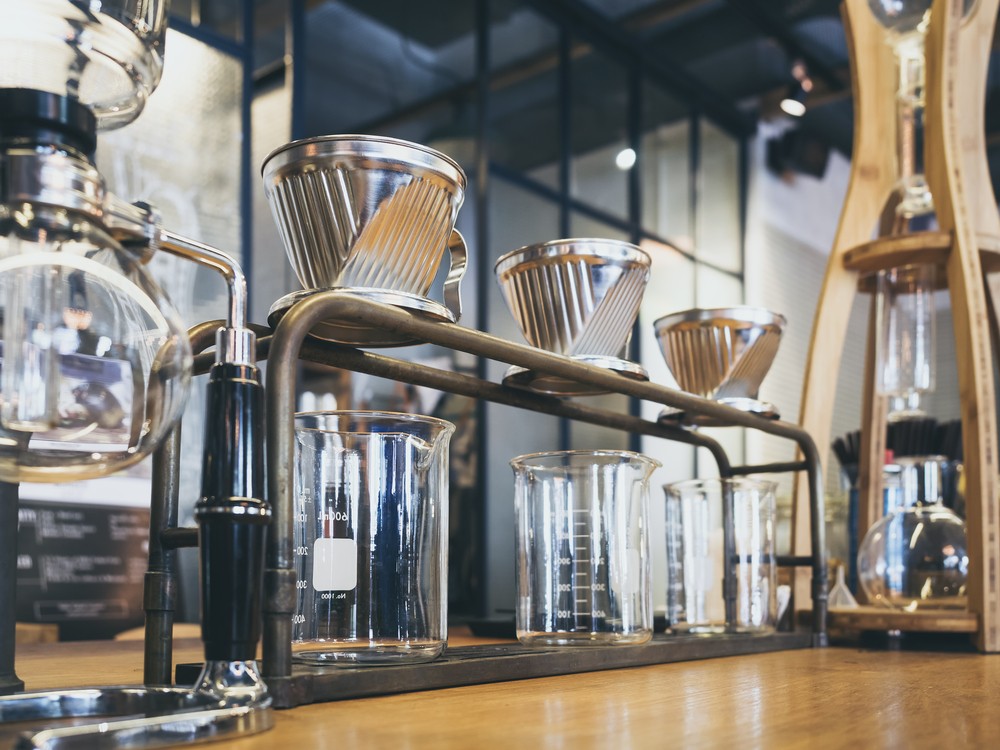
288 344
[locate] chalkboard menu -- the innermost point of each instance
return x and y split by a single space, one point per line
81 566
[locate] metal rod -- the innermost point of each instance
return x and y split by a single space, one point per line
775 468
160 584
466 385
210 257
793 561
9 681
820 580
341 307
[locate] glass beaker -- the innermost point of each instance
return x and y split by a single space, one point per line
701 597
582 539
371 537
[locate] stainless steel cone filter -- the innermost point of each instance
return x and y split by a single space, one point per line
576 297
722 354
369 214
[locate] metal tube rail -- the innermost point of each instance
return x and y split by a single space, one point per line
286 346
210 257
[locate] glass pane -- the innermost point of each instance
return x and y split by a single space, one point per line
524 126
198 101
718 208
271 276
666 165
367 59
581 225
517 217
223 17
670 289
717 289
599 103
524 93
270 21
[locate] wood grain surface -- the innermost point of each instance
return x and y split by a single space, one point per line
825 698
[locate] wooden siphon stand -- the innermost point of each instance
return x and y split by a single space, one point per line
965 248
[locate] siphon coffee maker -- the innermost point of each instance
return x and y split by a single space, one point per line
96 365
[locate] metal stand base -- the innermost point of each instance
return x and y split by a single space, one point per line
228 701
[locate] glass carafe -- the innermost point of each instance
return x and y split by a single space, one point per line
915 557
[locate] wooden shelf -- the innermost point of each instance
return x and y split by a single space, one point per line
920 621
916 249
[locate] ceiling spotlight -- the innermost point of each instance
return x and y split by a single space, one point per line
794 103
625 159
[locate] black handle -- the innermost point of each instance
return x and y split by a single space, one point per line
232 514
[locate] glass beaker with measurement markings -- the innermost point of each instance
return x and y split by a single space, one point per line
370 537
583 569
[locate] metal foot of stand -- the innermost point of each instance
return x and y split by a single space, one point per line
229 700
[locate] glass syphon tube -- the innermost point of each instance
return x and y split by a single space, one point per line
914 195
905 351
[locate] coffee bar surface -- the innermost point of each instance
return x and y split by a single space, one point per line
836 697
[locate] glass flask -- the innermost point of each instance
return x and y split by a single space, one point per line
95 360
916 557
905 319
583 567
107 54
370 538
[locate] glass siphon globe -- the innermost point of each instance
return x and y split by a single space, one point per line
916 557
96 363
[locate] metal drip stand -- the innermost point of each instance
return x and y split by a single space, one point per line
461 666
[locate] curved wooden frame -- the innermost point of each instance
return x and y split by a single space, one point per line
957 54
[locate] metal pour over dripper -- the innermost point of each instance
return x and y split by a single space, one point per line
576 297
721 354
368 216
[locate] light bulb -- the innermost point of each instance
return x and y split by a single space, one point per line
625 159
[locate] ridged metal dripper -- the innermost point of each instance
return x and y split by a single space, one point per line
721 354
368 216
576 297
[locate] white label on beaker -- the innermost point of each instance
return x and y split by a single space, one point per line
335 565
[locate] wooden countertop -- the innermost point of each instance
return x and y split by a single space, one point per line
824 698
